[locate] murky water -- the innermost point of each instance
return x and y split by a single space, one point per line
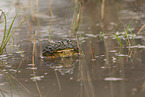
105 69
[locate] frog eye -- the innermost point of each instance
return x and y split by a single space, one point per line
60 42
69 41
48 47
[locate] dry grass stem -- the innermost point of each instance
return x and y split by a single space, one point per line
87 3
33 62
141 29
20 83
27 19
92 51
102 12
127 36
76 16
38 22
32 10
58 80
130 56
50 21
86 80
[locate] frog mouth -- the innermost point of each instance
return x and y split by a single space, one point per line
64 50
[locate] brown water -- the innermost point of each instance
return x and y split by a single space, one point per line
114 71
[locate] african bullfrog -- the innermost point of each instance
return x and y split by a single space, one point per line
64 48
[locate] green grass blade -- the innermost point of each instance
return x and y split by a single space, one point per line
6 38
10 27
8 35
12 33
127 30
119 40
49 34
5 29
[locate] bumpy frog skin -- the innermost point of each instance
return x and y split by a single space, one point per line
65 48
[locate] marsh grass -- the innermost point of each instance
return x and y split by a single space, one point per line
12 81
9 80
125 36
28 22
119 40
12 84
143 26
33 62
38 21
76 17
8 33
76 20
32 10
102 12
3 92
101 34
49 34
49 29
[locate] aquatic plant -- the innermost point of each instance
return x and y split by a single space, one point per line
49 29
126 35
76 17
116 36
7 35
101 34
7 32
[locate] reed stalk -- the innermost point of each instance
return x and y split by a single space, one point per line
38 22
102 12
27 19
141 28
33 62
49 29
32 10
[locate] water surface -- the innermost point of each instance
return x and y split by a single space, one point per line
105 69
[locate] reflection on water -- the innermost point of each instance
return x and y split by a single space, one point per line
105 69
63 65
